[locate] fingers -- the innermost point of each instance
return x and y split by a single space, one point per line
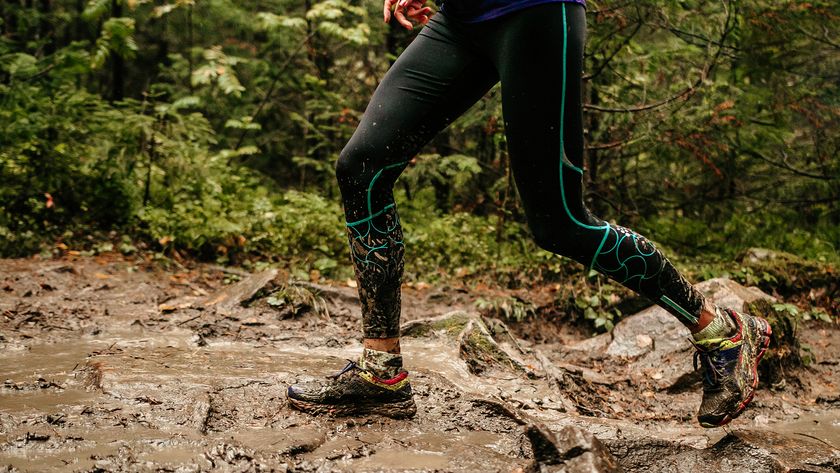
420 15
413 9
399 14
386 10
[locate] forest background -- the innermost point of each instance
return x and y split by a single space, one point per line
208 129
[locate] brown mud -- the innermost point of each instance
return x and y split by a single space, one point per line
108 364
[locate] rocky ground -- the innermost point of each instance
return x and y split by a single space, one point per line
110 364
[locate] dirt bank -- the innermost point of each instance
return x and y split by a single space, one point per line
110 364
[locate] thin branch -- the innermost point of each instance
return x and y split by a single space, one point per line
612 145
785 165
690 90
612 55
824 39
687 92
752 196
40 73
705 41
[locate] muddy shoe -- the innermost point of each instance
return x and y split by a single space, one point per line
729 368
355 392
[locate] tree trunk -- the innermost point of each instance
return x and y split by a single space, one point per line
46 31
117 62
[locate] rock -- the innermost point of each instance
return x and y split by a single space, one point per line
783 452
644 342
571 450
751 451
451 324
483 344
657 339
242 292
787 353
574 385
481 352
788 271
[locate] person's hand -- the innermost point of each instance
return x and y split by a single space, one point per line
413 9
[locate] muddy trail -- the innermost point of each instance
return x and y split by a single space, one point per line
108 364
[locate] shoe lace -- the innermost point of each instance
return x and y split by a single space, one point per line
714 367
351 365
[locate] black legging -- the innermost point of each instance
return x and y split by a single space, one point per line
538 55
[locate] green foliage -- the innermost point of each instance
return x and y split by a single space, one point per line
462 244
452 178
96 9
292 300
711 129
219 70
327 15
599 309
507 308
117 38
54 165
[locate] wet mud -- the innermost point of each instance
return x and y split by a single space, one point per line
108 364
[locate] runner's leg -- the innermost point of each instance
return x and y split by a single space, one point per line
438 77
539 55
541 93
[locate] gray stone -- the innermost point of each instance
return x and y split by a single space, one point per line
242 292
659 342
751 451
570 450
484 345
478 348
449 324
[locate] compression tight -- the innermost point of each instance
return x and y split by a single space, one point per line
537 54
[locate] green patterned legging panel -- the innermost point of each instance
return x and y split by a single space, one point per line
537 54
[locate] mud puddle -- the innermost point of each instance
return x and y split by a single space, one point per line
160 400
98 375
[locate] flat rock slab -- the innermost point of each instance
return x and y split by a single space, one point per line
484 345
751 451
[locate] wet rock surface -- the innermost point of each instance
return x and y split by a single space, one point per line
749 450
570 450
656 340
110 365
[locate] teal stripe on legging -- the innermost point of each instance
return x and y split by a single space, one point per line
563 161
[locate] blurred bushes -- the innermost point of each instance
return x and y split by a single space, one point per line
211 128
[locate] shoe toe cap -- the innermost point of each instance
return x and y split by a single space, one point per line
711 421
296 391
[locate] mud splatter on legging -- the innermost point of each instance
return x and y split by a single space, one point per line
537 53
377 250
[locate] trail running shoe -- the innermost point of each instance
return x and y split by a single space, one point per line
355 392
729 368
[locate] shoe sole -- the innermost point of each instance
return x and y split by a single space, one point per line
394 410
765 343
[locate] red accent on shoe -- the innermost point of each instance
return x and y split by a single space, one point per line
743 405
390 382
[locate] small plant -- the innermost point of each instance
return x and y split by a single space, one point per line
294 299
817 313
506 307
597 308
